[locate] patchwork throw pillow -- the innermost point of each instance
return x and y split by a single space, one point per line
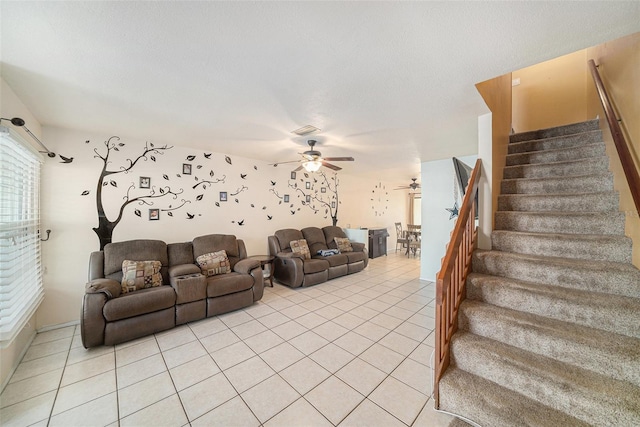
214 263
300 247
138 275
344 245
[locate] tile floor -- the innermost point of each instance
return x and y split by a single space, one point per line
353 351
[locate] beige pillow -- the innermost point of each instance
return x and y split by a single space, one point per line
300 247
214 263
138 275
344 245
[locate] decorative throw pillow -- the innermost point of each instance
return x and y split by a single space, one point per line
344 245
300 247
214 263
138 275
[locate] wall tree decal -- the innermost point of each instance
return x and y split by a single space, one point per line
105 227
330 199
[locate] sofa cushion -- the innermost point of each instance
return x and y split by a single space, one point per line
331 232
286 236
140 302
315 239
301 248
228 284
180 253
356 256
343 243
138 275
214 263
217 242
334 260
310 266
135 250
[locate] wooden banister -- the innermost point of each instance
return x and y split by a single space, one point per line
629 167
450 282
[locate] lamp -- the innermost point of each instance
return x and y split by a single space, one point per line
312 165
17 121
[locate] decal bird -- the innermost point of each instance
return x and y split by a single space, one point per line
241 222
65 159
255 168
190 216
243 175
207 155
273 183
269 217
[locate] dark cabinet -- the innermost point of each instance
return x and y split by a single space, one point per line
377 242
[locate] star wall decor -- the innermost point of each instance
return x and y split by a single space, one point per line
453 212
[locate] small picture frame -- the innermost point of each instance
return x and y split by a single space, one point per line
308 199
286 198
333 205
223 196
145 182
323 190
186 169
308 185
293 175
154 214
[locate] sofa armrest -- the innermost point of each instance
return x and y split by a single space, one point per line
92 321
183 270
246 265
111 288
289 255
357 246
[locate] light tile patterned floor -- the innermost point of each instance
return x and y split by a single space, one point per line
353 351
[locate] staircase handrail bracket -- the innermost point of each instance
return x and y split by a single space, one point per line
450 281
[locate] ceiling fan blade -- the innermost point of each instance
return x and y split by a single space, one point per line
299 168
281 163
339 159
330 166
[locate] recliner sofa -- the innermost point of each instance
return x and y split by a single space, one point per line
291 269
110 316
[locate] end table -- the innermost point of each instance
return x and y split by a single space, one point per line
264 260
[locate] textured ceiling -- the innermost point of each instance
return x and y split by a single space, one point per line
389 83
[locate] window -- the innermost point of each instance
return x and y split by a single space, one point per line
21 289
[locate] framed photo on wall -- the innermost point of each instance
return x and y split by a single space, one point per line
223 196
154 214
308 185
186 169
308 199
145 182
323 190
286 198
293 175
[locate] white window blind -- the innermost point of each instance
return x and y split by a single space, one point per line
21 289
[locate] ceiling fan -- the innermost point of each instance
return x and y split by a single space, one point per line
312 160
413 186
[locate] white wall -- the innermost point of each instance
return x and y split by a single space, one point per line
485 201
438 178
71 215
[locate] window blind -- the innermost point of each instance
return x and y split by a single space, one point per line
21 288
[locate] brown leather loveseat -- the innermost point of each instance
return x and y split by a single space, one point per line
294 270
110 316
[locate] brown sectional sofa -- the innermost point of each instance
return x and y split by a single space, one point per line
110 316
294 271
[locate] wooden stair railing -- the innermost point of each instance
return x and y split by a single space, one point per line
450 283
629 167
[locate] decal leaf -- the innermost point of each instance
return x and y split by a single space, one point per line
191 158
85 192
137 212
227 159
199 197
165 176
113 183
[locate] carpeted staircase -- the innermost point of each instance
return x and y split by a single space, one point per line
549 334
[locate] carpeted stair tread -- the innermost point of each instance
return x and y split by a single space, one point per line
561 222
589 166
552 132
559 185
588 396
563 141
603 201
611 354
490 405
601 247
594 149
595 276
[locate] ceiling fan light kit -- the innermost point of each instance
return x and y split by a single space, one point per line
312 165
312 159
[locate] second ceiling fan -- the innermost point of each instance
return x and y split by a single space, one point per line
312 159
413 186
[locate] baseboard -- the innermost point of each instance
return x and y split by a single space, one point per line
58 326
18 360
